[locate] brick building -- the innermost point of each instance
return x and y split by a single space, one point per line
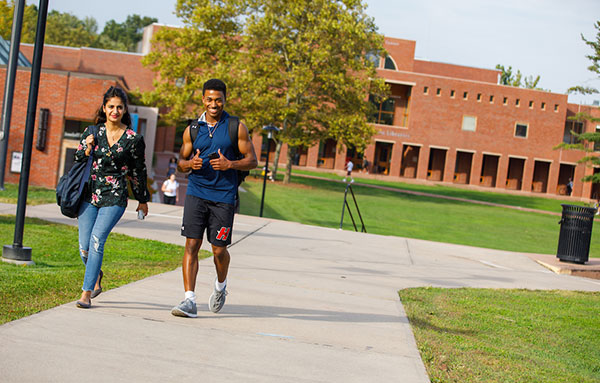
72 83
455 124
443 123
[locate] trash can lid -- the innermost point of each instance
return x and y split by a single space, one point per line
585 210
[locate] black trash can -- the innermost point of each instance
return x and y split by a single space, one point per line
575 233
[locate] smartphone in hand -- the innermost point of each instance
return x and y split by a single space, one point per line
213 156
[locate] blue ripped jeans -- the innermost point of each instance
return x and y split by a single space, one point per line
95 224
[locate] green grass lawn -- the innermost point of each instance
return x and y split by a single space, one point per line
57 275
35 195
483 335
319 202
532 202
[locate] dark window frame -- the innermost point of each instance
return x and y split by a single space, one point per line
385 113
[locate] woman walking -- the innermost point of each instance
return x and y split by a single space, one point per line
118 155
170 189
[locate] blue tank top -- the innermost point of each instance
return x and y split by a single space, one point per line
207 183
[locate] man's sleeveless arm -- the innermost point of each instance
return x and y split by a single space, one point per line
246 149
184 163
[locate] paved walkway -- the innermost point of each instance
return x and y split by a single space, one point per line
305 304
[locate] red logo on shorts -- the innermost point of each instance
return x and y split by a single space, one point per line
223 233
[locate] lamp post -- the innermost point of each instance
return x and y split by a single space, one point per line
270 129
17 253
9 87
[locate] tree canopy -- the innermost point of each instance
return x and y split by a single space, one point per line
587 141
66 29
507 77
300 65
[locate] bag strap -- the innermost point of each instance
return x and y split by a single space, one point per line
88 166
234 126
194 130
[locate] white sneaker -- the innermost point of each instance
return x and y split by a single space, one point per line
217 300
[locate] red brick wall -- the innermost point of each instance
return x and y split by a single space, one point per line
65 96
456 71
402 51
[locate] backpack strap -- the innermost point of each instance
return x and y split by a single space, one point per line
234 125
194 130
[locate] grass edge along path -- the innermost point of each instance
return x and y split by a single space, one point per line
505 335
319 202
57 275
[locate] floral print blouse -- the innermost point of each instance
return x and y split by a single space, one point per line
112 166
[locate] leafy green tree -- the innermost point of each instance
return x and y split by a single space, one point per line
587 142
66 29
507 77
300 65
127 34
185 57
7 9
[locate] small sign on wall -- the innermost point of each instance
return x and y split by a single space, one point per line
15 162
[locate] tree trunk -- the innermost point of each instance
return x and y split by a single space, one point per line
288 168
276 159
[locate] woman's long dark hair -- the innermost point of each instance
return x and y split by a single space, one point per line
113 91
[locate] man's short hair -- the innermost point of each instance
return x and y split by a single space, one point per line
215 84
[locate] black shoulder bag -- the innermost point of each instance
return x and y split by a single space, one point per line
71 186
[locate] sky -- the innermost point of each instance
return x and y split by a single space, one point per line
537 37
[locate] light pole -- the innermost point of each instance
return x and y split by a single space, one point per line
269 129
16 253
9 87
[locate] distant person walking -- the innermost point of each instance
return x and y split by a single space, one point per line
570 187
211 192
349 167
365 165
172 165
118 155
170 189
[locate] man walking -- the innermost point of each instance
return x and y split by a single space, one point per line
349 167
211 192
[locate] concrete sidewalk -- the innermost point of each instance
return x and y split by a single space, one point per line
305 304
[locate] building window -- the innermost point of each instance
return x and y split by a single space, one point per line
465 95
469 123
426 90
597 144
74 128
521 130
452 93
374 59
505 100
180 82
530 104
518 102
438 92
478 96
389 63
543 106
556 107
572 126
384 113
491 99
